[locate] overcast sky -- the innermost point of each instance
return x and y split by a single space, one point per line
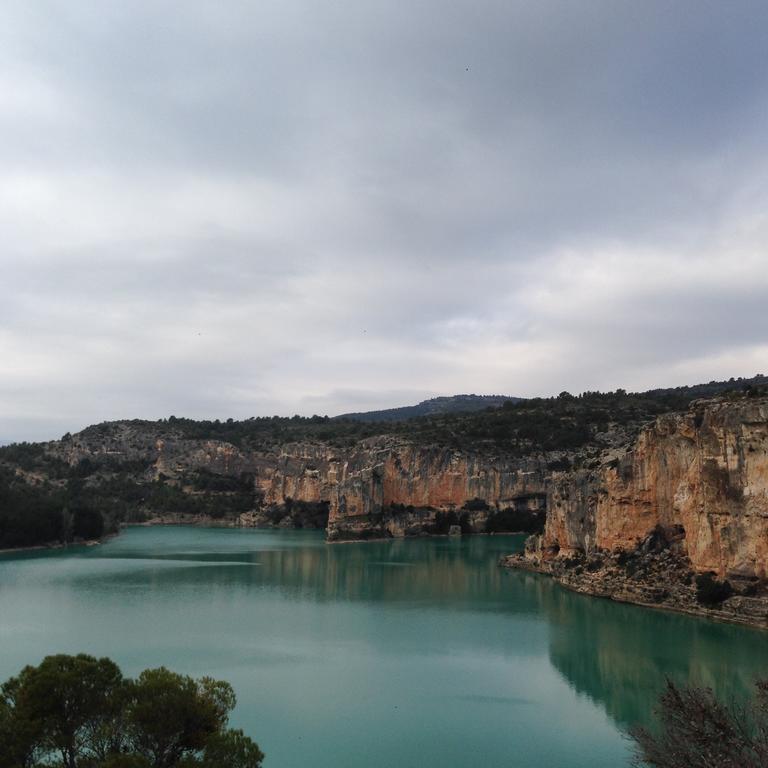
228 208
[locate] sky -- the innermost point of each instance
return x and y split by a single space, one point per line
232 209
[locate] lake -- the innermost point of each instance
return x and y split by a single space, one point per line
408 653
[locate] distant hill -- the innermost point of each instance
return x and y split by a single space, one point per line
458 404
435 406
714 388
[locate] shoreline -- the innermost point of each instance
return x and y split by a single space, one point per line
60 545
426 536
517 562
197 522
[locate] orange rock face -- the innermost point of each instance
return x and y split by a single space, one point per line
438 480
706 471
361 484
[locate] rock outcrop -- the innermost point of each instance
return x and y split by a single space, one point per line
379 488
705 471
698 482
400 489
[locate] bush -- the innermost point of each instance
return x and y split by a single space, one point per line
697 731
710 591
443 522
87 524
511 520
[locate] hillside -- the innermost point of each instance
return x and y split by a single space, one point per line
433 407
296 471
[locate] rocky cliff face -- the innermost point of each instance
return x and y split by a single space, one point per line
704 473
404 489
379 488
689 498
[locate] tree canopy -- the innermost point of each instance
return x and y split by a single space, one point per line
81 712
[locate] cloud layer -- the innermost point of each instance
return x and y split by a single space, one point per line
230 208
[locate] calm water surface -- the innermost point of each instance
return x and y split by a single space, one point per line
402 653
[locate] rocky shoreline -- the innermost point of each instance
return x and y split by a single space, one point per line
657 574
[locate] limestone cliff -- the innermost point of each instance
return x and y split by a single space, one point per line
400 489
689 497
380 487
705 471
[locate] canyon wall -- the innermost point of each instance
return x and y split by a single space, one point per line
701 476
399 490
380 487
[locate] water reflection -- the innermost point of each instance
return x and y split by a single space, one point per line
347 635
621 655
442 572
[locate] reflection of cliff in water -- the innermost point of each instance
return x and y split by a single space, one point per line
617 655
435 572
621 655
461 572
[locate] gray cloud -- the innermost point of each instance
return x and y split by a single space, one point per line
219 209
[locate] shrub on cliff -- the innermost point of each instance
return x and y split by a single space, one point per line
80 712
711 592
443 522
511 520
476 505
698 731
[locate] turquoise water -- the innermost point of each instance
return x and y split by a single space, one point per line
400 653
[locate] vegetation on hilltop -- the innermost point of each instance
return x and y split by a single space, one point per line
434 406
565 422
